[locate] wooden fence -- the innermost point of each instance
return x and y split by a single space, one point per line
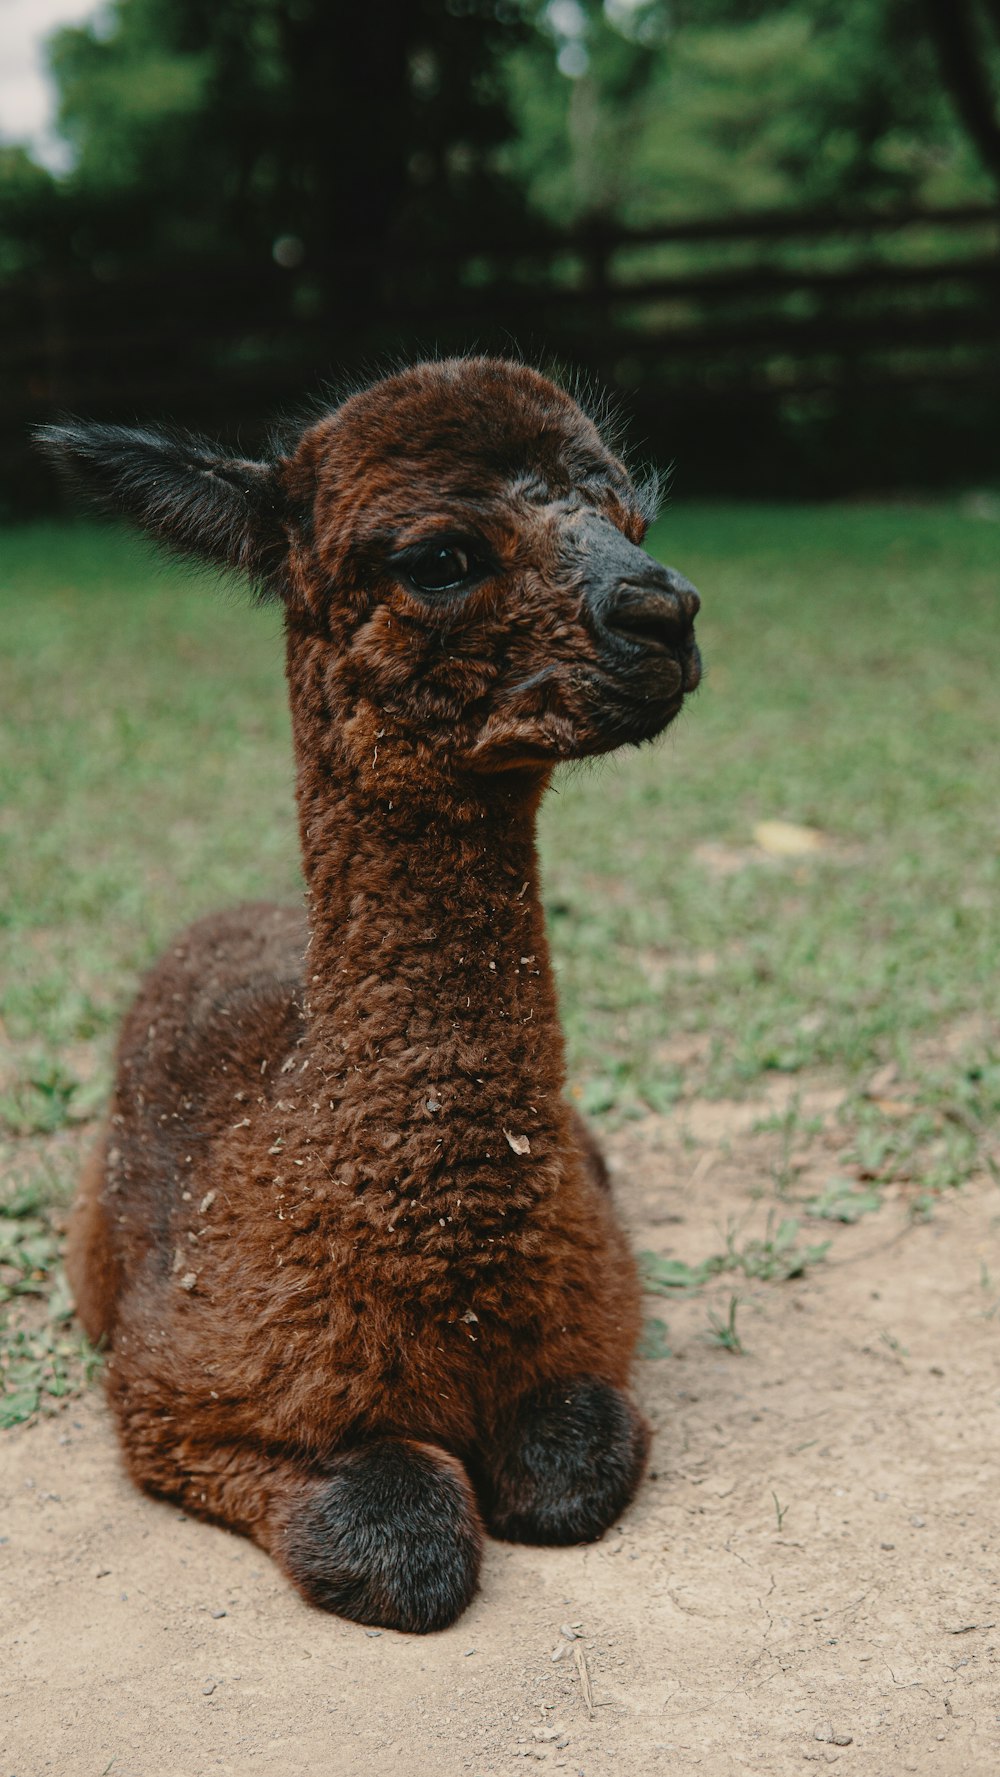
788 330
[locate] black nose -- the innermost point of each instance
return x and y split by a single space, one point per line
656 611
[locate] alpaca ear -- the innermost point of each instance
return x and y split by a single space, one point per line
185 492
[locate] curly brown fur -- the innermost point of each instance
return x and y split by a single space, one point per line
355 1259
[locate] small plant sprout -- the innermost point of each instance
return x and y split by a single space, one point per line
724 1331
777 1257
773 1259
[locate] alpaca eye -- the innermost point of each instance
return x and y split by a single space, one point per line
438 569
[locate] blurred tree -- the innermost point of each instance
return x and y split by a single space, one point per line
317 129
29 213
722 105
967 41
260 189
321 126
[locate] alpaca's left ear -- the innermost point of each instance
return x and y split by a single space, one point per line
185 492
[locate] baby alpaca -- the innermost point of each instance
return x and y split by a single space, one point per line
353 1257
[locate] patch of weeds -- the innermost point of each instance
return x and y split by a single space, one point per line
792 1127
622 1094
973 1093
724 1332
41 1358
660 1092
777 1257
24 1199
655 1340
841 1200
789 1121
668 1277
42 1101
783 1172
949 1160
888 1149
39 1367
29 1252
934 1139
773 1259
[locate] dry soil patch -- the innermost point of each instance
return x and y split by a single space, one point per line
808 1578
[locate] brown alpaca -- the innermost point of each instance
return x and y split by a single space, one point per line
353 1257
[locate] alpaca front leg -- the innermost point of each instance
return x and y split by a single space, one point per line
390 1534
566 1465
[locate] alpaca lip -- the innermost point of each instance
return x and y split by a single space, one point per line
625 700
638 674
637 707
657 670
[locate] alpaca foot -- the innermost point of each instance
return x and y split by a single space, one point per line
569 1466
391 1535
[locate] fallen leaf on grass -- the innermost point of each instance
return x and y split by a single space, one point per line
894 1107
785 839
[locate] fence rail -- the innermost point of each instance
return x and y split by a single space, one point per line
765 311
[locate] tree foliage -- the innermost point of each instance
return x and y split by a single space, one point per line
395 157
214 125
722 105
217 125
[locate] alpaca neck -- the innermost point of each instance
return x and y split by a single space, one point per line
430 1005
438 929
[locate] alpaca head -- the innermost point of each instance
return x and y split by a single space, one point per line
459 555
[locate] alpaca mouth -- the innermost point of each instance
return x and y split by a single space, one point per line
627 720
635 705
582 713
658 676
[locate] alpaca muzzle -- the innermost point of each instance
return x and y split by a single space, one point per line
656 613
641 615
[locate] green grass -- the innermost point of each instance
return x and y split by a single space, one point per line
851 687
145 776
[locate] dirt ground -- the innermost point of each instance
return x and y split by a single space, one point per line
808 1577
